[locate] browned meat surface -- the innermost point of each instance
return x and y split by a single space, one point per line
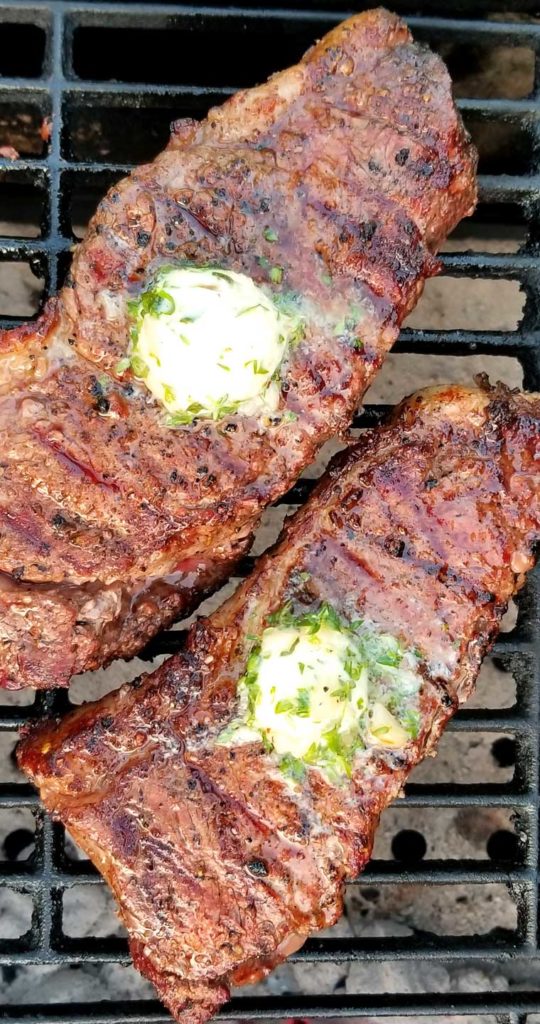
220 867
357 161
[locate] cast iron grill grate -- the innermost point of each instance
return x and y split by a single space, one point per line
110 77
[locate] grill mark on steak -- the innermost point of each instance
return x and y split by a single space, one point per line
174 820
74 464
312 153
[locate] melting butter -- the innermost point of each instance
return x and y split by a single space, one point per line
319 691
208 343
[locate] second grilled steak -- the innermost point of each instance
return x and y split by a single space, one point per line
224 842
330 186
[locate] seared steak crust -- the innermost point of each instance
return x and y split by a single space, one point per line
358 161
426 529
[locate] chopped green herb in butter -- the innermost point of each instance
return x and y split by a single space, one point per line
320 691
209 342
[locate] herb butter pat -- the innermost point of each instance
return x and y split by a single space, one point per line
321 692
208 342
300 678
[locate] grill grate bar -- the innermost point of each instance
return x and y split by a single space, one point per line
377 873
148 13
416 796
466 721
101 951
457 342
530 921
508 110
493 265
493 188
43 916
504 1005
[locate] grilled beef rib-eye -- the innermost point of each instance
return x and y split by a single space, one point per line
219 865
113 523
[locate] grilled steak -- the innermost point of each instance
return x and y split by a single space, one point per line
333 183
220 863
